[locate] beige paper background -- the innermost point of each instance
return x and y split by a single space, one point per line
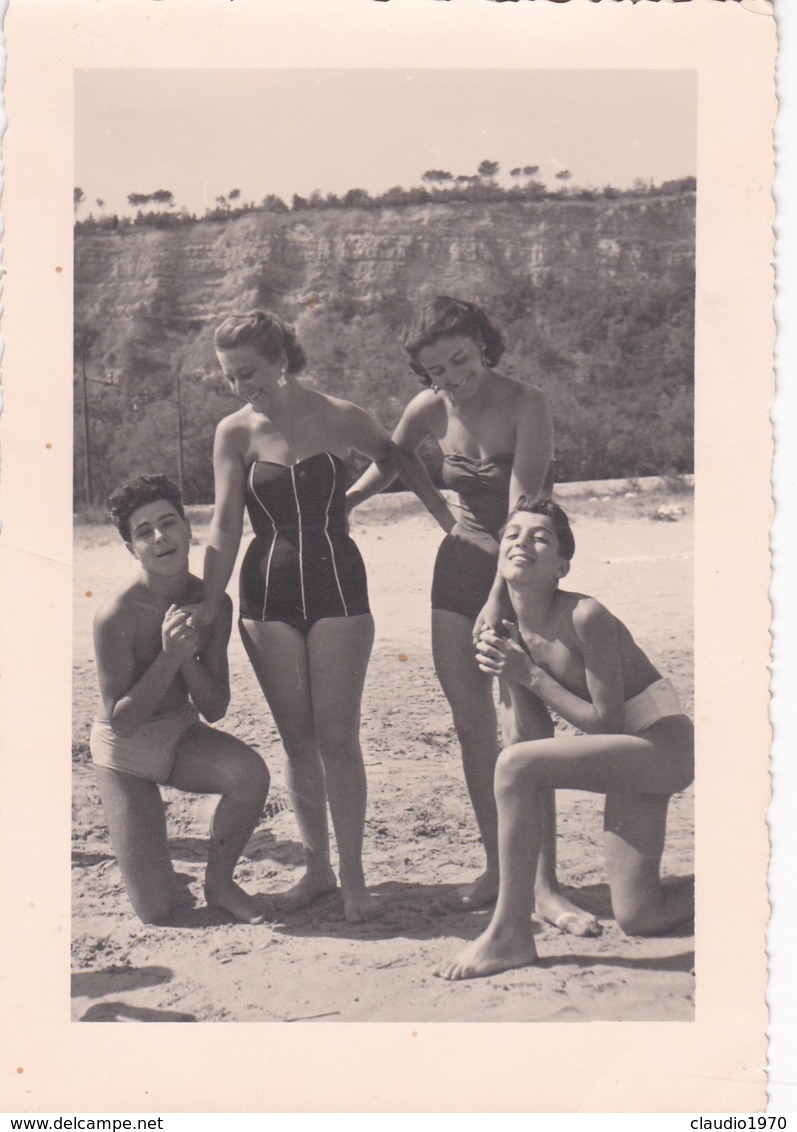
713 1064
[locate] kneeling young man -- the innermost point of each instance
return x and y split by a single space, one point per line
637 748
157 673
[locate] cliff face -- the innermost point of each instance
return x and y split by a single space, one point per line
581 287
303 260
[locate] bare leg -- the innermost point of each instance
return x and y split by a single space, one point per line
278 653
212 762
508 941
524 717
659 762
470 696
634 828
137 824
339 650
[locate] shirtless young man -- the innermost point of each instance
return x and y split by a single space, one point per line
156 674
637 746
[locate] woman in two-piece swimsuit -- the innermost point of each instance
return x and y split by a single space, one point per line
496 436
303 590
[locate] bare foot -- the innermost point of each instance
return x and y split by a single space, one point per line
557 910
482 891
360 906
228 896
309 888
494 950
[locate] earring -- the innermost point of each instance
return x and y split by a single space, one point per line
282 380
434 388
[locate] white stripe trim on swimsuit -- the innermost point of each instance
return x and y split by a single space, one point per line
301 540
329 540
273 541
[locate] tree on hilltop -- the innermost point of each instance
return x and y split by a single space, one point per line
78 197
564 175
160 196
437 176
356 198
488 169
272 203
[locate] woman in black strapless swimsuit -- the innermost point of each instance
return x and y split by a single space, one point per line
496 436
303 592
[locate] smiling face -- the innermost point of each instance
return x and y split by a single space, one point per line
455 365
159 538
530 550
251 377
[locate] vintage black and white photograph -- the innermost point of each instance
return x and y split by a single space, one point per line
383 497
385 506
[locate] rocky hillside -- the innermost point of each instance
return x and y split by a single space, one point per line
596 297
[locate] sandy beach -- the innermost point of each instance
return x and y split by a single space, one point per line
421 840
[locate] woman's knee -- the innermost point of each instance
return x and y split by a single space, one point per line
340 745
474 718
468 691
299 745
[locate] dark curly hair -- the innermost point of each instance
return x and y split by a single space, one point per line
558 517
445 317
266 333
134 493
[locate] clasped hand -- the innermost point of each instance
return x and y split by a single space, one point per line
179 635
504 656
202 613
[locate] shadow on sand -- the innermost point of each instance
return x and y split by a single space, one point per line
118 980
122 1012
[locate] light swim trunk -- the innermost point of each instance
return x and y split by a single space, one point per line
147 753
657 701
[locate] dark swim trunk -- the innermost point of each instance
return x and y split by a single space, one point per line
464 572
